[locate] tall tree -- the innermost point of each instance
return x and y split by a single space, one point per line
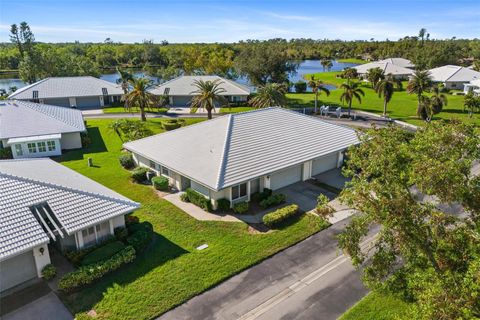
471 103
327 64
23 38
386 88
349 74
421 34
374 75
139 98
207 95
419 83
351 91
270 95
421 254
125 79
317 87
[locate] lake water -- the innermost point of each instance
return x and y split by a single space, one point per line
305 67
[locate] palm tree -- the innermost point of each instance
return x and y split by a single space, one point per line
272 94
471 103
374 75
317 87
124 80
422 33
350 73
207 95
418 84
350 91
326 64
386 88
139 97
438 99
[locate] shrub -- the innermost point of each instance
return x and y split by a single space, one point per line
103 253
240 207
259 196
300 86
49 272
141 235
184 197
274 218
6 153
160 183
273 200
223 205
121 233
77 256
323 208
139 174
85 138
131 219
126 161
199 200
87 274
172 124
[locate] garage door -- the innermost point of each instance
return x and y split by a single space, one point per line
286 177
88 102
17 270
181 101
62 102
324 164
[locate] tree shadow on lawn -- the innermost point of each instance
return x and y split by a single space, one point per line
97 145
157 253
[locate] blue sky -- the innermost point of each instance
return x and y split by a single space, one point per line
230 21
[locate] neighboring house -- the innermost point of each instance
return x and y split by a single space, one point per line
473 86
453 77
401 62
398 72
44 203
179 90
75 92
236 155
39 130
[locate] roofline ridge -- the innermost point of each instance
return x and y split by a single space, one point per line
238 85
58 186
456 71
171 80
32 85
226 147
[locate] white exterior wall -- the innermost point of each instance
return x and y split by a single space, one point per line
26 154
455 85
118 222
114 222
71 140
41 259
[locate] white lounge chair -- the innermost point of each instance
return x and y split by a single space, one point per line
338 112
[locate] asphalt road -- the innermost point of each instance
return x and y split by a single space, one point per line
310 280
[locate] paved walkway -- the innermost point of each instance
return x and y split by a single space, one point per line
310 280
47 307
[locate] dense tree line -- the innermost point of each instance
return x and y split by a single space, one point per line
261 61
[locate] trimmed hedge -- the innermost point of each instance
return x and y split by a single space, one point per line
240 207
49 272
121 233
141 235
223 205
126 161
259 196
76 256
87 274
274 218
172 124
160 183
139 174
273 200
103 253
184 197
198 200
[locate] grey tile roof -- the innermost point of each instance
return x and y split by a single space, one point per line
402 62
235 148
184 85
387 68
454 74
76 201
65 87
24 119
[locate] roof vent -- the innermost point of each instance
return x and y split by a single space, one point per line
47 219
35 94
104 91
166 91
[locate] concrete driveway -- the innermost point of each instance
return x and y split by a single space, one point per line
304 194
45 308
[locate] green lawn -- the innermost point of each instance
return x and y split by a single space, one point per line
403 106
379 307
171 270
352 60
121 109
236 109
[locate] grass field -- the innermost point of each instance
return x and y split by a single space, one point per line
121 109
403 106
171 270
379 307
352 60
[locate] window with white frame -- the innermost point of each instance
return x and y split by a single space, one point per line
42 146
32 147
239 191
165 171
51 145
18 150
153 165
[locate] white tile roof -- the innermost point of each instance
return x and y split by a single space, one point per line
65 87
387 68
453 74
402 62
184 85
26 119
76 201
235 148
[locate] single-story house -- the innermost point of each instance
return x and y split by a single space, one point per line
180 90
401 62
473 86
74 92
39 130
236 155
453 77
44 202
387 68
